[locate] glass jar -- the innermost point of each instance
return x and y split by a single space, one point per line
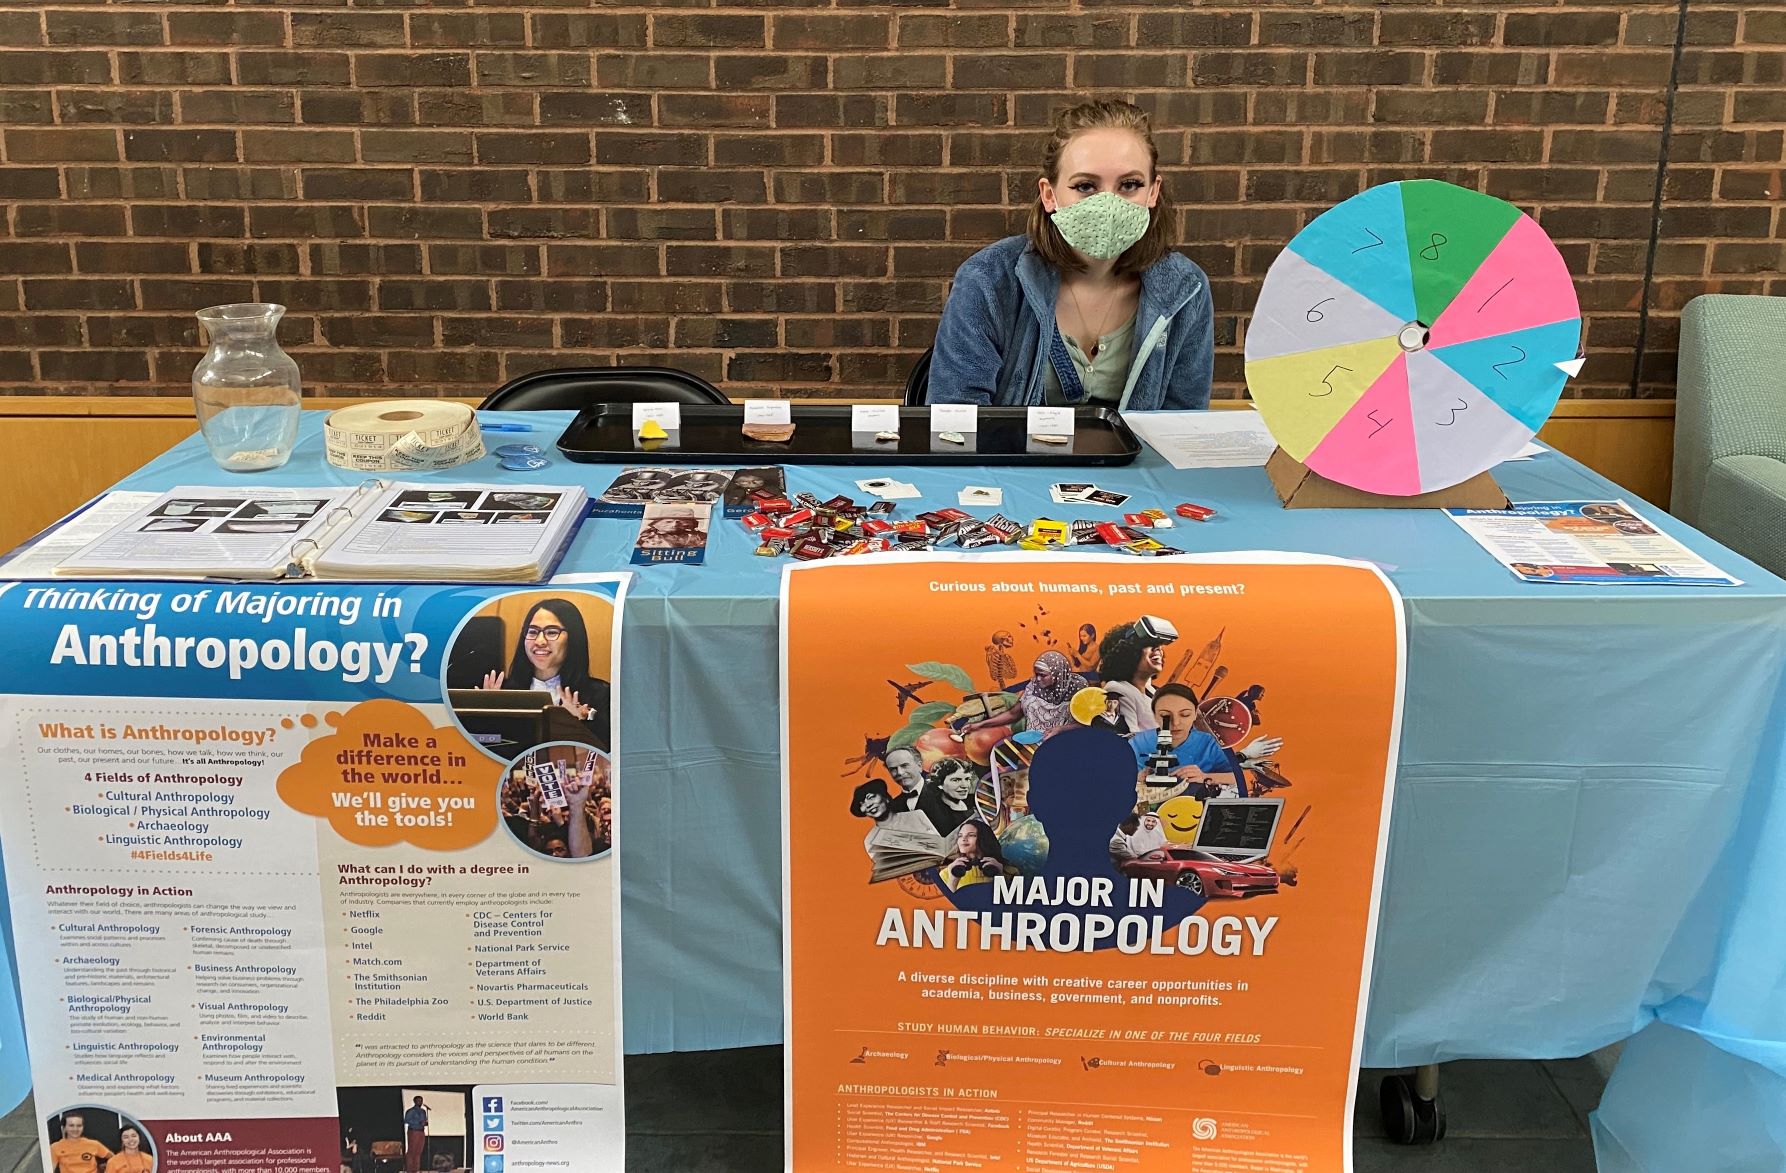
245 390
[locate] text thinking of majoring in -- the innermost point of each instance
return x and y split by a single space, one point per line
148 647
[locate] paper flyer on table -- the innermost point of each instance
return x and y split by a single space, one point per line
1205 439
286 888
1586 541
1082 861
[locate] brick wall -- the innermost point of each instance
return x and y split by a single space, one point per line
773 193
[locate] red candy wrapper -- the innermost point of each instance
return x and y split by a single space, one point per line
755 521
1002 527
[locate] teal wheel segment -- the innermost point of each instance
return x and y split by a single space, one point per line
1364 243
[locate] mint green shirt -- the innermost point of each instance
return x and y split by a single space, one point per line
1103 382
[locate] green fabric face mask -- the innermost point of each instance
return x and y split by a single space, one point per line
1102 226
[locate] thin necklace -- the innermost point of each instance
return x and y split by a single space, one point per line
1098 341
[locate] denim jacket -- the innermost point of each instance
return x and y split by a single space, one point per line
992 343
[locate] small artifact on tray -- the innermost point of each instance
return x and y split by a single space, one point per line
888 437
952 437
1052 439
774 433
652 430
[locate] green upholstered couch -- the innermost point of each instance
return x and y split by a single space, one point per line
1730 424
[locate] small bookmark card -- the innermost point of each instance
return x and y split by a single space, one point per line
672 533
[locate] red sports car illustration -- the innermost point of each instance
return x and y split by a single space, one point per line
1203 873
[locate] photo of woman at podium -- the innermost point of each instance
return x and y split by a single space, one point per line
524 671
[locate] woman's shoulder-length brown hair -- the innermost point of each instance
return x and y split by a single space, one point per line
1046 239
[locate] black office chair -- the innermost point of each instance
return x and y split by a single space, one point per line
917 384
574 388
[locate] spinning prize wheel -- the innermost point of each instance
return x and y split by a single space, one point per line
1411 337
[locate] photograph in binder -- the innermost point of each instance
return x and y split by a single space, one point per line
380 531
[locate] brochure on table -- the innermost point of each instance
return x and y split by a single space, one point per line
381 530
275 890
1205 439
1586 541
1026 929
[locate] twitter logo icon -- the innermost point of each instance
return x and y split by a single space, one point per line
492 1123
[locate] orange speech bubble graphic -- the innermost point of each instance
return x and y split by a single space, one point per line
385 775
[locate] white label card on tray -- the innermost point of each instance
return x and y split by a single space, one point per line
1051 421
667 416
954 417
767 411
874 417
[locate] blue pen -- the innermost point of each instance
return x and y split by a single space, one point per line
505 427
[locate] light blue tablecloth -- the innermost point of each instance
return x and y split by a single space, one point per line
1589 783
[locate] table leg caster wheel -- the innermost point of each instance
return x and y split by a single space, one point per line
1407 1118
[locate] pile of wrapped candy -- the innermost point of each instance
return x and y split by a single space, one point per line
807 528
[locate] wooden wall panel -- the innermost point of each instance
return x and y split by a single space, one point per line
1631 447
49 464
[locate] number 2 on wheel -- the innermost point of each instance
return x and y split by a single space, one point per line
1510 362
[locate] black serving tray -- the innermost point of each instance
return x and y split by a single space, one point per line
712 435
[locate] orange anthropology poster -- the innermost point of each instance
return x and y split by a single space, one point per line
1082 858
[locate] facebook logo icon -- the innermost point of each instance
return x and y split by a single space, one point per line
492 1163
492 1123
492 1104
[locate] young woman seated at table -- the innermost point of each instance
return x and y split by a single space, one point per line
1091 305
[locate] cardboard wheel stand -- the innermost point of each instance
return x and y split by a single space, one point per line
1299 487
